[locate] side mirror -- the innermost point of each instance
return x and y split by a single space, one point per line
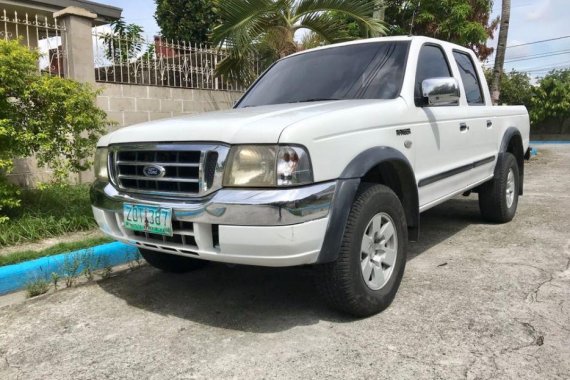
440 92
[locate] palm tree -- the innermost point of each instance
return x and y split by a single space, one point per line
266 28
501 48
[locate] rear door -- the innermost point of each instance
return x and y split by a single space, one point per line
482 129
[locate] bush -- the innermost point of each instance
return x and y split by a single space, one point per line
52 118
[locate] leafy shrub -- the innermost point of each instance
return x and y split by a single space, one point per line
52 118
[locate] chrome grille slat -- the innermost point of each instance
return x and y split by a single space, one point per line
175 164
183 168
141 178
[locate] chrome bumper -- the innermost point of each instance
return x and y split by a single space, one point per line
282 227
270 207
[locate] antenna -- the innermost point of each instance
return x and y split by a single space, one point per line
414 17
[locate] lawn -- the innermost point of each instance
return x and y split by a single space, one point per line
21 256
49 212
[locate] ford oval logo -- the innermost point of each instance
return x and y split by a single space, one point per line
154 171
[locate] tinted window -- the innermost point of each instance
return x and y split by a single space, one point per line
361 71
431 64
469 78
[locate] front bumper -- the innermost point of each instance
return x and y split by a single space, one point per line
275 227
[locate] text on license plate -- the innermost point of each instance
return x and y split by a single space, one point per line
155 220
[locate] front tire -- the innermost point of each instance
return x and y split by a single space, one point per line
498 198
366 276
171 263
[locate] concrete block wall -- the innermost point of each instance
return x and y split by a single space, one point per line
132 104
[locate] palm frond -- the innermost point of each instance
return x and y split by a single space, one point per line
241 19
360 10
324 25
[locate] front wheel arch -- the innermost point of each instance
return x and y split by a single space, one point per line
376 165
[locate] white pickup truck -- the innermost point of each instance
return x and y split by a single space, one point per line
327 160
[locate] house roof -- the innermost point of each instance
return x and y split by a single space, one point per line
105 13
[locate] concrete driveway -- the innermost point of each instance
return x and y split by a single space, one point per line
477 301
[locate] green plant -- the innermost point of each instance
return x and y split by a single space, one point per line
551 100
190 21
36 287
124 43
134 260
465 22
71 265
516 88
103 262
52 118
88 263
267 28
55 279
50 211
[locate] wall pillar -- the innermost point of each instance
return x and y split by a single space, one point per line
77 42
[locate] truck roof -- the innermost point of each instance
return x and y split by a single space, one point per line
420 39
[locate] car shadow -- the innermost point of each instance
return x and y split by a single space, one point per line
258 299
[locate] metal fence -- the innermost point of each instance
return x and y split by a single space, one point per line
37 32
159 62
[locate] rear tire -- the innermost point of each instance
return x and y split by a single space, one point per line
364 279
171 263
498 198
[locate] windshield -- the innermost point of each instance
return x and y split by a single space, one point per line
373 70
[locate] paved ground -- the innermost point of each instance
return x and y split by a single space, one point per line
477 301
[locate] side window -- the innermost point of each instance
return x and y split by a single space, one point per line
470 79
431 64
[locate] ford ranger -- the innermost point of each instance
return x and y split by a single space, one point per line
327 160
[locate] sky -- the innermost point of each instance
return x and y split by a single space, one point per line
536 20
531 20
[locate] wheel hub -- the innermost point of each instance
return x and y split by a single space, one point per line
511 188
379 250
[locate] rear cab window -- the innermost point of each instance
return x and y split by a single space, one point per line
470 78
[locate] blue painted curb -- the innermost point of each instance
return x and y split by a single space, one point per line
15 277
546 142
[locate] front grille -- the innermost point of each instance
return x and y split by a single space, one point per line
183 235
168 169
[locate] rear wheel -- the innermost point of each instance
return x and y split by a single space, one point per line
171 263
498 198
366 276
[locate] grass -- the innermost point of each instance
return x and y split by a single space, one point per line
37 287
21 256
49 212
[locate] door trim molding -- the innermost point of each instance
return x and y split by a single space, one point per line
458 170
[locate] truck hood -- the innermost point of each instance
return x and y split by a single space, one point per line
263 124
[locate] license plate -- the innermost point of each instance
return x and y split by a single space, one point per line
155 220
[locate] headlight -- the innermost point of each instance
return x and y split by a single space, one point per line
267 166
101 156
293 166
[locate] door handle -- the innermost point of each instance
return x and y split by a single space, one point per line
463 127
489 123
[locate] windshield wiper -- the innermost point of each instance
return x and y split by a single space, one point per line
313 100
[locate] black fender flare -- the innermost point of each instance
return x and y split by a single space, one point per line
347 188
508 136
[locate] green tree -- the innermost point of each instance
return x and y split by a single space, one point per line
124 43
464 22
52 118
268 27
551 99
186 20
516 88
